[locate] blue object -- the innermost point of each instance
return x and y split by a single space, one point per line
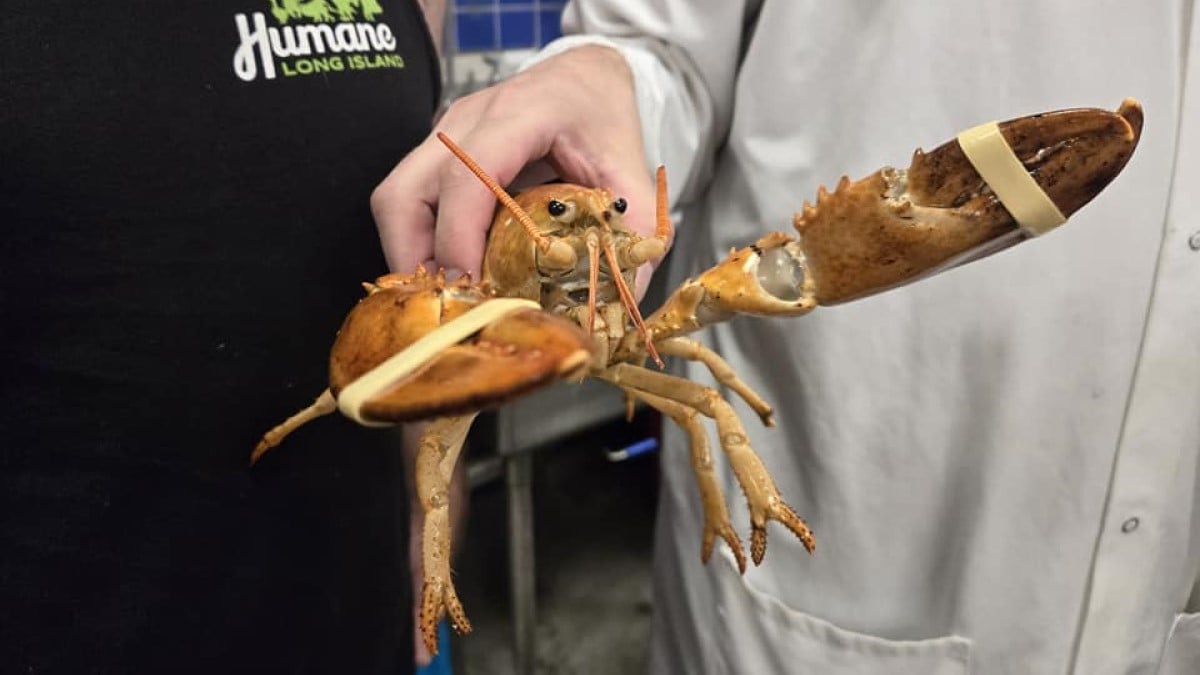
642 447
440 665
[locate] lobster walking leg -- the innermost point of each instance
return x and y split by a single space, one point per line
716 515
438 452
687 348
763 497
324 405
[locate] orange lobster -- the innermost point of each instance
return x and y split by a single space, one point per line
554 303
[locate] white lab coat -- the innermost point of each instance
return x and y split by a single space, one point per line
1000 463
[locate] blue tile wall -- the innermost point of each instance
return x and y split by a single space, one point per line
476 32
550 22
487 25
516 29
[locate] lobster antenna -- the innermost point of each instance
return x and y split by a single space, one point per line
630 303
593 248
662 226
542 241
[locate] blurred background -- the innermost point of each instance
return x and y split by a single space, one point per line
554 571
486 40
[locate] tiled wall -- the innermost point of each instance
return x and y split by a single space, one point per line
491 25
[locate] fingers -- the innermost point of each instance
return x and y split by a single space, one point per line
431 190
576 111
620 167
404 206
633 182
635 185
642 281
465 204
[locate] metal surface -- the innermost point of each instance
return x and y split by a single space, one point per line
519 485
555 413
536 421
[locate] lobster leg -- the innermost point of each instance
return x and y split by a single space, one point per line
324 405
716 515
686 348
436 456
763 497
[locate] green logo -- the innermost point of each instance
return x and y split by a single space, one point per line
324 11
314 37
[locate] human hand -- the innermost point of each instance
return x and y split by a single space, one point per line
574 115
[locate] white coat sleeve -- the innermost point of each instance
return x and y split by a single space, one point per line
684 55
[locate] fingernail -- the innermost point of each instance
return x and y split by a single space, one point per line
454 274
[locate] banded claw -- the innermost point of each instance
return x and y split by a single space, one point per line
899 225
896 226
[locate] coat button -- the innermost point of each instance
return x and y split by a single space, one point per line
1194 241
1130 525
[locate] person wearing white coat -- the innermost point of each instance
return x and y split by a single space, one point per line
1001 463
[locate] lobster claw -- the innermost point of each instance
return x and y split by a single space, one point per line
1072 154
511 356
769 278
899 225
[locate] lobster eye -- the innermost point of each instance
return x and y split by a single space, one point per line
563 212
620 205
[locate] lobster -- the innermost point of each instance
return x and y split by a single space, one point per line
554 303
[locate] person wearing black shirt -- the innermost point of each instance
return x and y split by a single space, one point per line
184 189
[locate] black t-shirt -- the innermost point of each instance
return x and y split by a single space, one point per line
184 197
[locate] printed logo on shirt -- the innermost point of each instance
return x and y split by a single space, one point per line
311 37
